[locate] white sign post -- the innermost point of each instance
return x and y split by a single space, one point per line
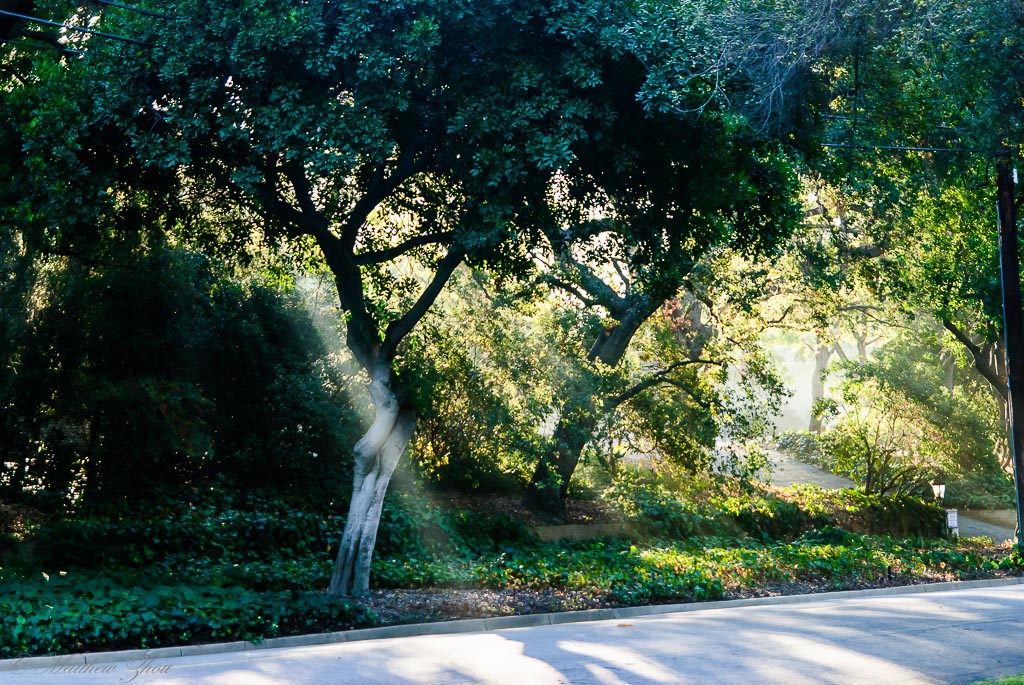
952 522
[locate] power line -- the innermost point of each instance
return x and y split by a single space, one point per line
80 29
148 13
39 46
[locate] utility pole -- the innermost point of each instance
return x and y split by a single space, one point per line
1013 329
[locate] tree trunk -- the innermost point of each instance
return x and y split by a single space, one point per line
376 456
861 336
580 414
821 357
989 360
550 482
948 371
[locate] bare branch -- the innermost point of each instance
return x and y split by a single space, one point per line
386 255
656 379
782 317
401 326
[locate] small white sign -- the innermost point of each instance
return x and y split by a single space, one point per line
951 519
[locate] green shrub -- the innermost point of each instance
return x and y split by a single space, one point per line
488 532
801 444
648 503
767 518
418 572
831 535
68 614
230 531
157 367
981 491
625 573
186 598
409 525
855 510
412 526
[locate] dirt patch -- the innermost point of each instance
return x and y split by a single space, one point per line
398 607
578 511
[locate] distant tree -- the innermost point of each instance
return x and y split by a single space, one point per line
896 425
943 83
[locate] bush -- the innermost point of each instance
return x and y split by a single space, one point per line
625 573
831 535
648 504
243 567
411 526
66 615
158 536
488 532
981 491
647 501
158 369
800 444
855 510
768 518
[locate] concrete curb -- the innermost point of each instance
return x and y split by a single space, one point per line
83 663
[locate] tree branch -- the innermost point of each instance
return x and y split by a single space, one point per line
782 317
570 288
656 379
980 363
699 401
362 336
600 291
401 326
617 265
378 189
379 256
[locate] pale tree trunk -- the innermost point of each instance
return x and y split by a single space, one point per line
377 453
376 456
821 356
948 371
862 347
861 336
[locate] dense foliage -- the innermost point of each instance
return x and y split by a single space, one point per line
225 569
551 233
153 371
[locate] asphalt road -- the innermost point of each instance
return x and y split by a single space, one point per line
926 637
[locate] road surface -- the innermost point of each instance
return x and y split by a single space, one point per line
927 637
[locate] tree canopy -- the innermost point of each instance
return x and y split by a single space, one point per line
612 149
